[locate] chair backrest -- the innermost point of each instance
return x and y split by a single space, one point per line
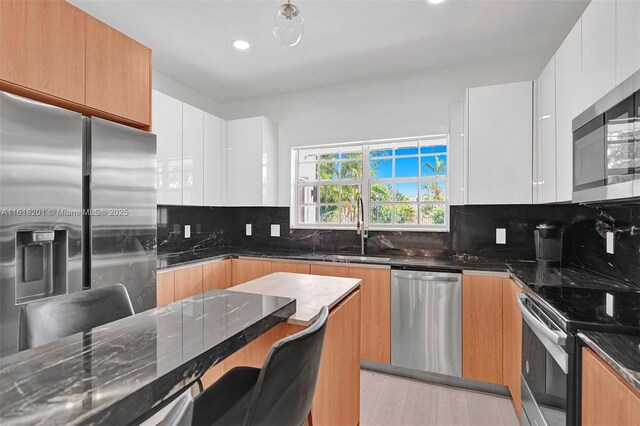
181 414
61 316
284 390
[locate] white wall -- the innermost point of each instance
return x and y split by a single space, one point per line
397 106
178 90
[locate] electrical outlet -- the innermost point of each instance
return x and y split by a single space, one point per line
247 230
275 230
501 236
187 231
609 304
610 241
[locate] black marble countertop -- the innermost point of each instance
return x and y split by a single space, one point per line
118 372
621 352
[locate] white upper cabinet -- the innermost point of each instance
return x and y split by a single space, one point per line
568 105
499 143
627 39
598 50
215 159
546 134
455 168
192 155
252 162
167 125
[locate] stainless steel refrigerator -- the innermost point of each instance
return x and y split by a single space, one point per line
77 208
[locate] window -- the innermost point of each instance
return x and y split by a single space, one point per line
403 184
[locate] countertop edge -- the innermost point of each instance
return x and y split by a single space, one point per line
611 361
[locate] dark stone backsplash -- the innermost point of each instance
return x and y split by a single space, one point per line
472 233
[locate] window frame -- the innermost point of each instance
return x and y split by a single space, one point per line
365 183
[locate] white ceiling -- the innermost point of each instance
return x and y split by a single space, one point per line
344 40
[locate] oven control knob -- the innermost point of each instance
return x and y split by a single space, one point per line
526 366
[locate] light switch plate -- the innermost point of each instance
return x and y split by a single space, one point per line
610 241
275 230
247 230
187 231
501 236
609 304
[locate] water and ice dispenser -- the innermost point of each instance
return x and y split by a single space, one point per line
41 264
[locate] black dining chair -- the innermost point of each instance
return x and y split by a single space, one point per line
279 393
61 316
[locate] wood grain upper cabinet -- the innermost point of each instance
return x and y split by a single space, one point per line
118 73
42 47
512 340
243 270
482 328
375 290
500 141
216 275
188 282
607 399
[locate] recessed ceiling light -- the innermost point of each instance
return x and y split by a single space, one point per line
435 1
240 44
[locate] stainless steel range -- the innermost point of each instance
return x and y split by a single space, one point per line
77 208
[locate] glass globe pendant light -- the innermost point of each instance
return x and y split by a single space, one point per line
288 25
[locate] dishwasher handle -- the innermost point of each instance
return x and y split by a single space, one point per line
427 276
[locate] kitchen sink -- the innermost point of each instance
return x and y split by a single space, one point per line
347 258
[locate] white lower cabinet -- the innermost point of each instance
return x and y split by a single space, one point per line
167 125
499 141
252 162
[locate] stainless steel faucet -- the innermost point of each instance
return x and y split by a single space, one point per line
360 229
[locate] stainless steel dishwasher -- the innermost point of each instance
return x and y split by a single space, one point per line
426 321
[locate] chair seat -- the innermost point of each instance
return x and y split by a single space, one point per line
226 401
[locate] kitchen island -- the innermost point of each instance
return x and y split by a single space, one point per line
116 373
337 396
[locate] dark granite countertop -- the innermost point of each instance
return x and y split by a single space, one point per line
621 352
116 373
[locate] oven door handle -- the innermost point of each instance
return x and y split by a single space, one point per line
551 339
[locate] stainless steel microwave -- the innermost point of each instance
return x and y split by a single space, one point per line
606 146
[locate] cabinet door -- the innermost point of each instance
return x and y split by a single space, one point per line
546 151
42 47
192 155
455 168
568 103
329 270
500 144
512 341
295 267
215 160
165 288
167 119
118 73
244 162
482 328
627 39
188 282
243 270
375 291
607 399
216 275
598 50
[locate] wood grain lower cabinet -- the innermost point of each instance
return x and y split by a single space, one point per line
337 397
243 270
216 275
607 399
329 270
165 288
118 73
375 339
482 328
42 47
512 341
294 267
188 282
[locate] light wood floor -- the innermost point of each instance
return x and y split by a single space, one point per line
394 401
